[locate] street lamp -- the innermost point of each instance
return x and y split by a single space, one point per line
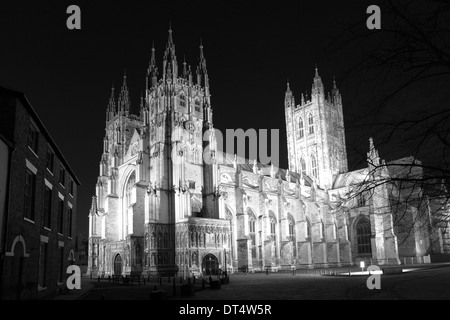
362 265
225 262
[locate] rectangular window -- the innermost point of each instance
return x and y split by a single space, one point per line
61 265
191 184
197 109
43 265
33 139
70 217
62 176
71 186
30 194
47 207
50 160
60 215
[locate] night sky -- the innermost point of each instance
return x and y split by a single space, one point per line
252 48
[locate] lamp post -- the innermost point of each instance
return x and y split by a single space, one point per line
225 262
184 263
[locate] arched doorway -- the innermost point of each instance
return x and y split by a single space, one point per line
118 265
17 271
210 265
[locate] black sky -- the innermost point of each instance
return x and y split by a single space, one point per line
252 48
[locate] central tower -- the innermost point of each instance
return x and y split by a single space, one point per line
315 134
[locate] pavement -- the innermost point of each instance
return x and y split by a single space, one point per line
425 281
86 286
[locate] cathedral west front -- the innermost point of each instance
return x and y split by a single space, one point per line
159 208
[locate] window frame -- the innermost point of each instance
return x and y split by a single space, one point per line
301 127
182 100
30 195
62 176
310 124
197 105
70 218
60 216
33 138
48 199
314 169
363 233
52 160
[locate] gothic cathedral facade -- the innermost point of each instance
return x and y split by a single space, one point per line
161 209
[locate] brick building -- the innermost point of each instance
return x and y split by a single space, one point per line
38 192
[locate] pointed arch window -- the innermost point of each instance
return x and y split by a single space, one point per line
310 124
182 100
308 233
292 236
363 236
303 166
252 232
314 170
129 189
273 231
273 227
301 127
322 230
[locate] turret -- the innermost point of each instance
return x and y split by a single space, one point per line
289 100
317 87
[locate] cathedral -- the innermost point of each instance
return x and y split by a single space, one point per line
159 208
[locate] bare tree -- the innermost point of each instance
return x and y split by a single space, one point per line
407 61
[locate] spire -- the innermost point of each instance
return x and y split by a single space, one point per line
152 58
111 109
184 68
202 57
335 92
201 70
170 48
373 158
124 96
170 57
93 209
170 40
288 97
317 85
152 72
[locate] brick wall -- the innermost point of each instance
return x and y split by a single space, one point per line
20 275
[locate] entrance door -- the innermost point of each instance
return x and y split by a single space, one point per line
210 264
118 265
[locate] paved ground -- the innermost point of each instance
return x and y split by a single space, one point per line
426 282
